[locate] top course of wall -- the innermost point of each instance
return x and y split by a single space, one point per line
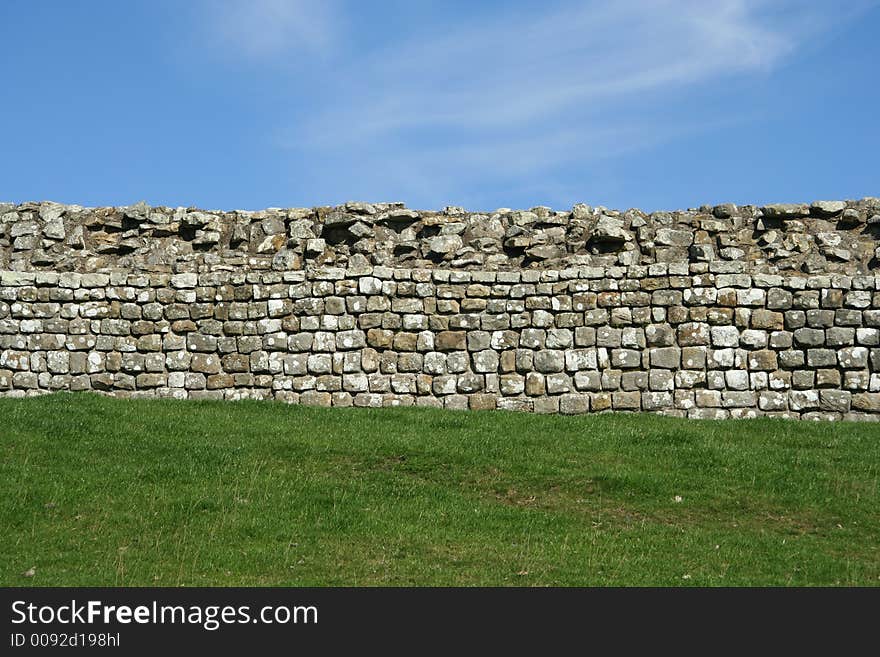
810 238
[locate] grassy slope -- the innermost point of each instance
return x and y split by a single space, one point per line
96 491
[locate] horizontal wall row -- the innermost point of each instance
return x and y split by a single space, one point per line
815 238
702 340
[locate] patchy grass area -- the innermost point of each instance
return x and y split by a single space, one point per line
97 491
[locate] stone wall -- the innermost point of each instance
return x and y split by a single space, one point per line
709 313
823 237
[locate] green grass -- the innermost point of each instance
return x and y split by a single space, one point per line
97 491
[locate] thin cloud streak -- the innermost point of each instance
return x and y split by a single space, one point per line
260 29
470 174
523 75
512 99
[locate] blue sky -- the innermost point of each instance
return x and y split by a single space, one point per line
265 103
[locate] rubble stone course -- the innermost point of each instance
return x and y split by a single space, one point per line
713 312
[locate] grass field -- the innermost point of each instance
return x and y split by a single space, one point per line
97 491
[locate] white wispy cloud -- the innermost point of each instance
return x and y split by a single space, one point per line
518 93
271 28
579 59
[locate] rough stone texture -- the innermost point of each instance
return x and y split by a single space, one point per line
823 237
714 312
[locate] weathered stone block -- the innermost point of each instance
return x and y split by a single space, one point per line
665 357
693 357
772 401
588 380
767 320
449 341
655 401
535 384
601 401
660 380
573 404
625 358
626 401
868 402
763 360
834 400
853 357
693 334
485 361
738 399
549 360
558 383
803 400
